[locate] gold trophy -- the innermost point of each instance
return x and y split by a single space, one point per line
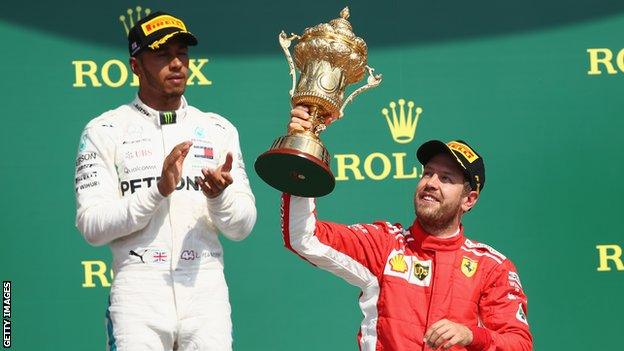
329 57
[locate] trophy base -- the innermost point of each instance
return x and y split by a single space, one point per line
298 165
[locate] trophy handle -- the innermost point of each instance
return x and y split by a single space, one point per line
372 81
285 42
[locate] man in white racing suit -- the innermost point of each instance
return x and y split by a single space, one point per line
157 180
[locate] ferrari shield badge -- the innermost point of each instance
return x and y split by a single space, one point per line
469 266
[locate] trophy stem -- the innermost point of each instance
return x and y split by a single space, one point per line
314 111
317 119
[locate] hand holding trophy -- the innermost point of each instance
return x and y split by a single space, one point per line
329 57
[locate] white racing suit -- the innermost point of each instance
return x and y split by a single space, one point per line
169 291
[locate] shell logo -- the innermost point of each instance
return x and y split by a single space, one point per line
398 264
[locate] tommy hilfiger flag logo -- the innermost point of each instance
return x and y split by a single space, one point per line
205 152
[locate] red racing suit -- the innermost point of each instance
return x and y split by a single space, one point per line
410 280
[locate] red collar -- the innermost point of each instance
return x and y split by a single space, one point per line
429 242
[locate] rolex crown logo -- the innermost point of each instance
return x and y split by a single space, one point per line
402 124
133 15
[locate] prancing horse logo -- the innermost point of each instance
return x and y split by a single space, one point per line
469 266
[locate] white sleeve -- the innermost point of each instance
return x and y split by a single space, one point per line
103 215
234 211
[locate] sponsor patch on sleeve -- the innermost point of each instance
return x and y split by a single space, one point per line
358 228
514 280
521 315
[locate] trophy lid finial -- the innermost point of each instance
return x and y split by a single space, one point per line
336 43
345 13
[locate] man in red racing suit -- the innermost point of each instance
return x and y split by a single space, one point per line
410 279
426 287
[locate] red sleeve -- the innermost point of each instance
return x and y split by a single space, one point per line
357 253
481 339
503 312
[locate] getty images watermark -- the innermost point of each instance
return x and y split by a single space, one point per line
6 314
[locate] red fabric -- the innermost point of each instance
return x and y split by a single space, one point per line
481 339
434 286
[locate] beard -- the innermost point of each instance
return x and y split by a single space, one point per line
436 217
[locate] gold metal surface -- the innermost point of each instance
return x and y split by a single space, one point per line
329 57
306 143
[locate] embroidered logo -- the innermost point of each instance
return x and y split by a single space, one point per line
398 264
514 280
469 266
409 268
521 316
420 271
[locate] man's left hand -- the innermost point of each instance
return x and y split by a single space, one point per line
446 333
216 180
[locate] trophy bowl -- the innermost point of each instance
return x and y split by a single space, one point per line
329 57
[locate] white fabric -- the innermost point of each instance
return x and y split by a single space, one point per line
120 158
301 229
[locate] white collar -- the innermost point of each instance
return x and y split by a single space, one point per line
450 235
157 116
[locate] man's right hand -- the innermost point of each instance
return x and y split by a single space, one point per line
172 168
299 119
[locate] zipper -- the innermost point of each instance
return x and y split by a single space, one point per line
433 263
169 214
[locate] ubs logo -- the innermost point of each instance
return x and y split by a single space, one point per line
140 153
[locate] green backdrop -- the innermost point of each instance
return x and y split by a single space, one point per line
535 86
